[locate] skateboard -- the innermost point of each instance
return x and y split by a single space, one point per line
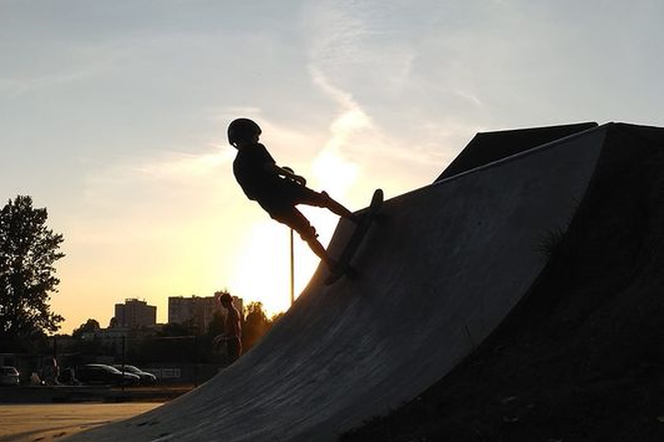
361 229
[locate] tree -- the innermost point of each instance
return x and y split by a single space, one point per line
91 325
175 329
255 325
277 317
28 252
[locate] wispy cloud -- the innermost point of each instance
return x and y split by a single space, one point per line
185 166
38 64
336 33
354 42
17 87
469 96
331 166
352 117
359 146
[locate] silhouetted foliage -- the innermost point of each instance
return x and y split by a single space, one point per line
255 325
28 252
91 325
91 346
183 348
176 329
276 318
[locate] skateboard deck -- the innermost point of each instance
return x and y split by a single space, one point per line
361 229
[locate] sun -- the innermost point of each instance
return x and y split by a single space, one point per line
262 270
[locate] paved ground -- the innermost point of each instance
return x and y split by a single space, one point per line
52 422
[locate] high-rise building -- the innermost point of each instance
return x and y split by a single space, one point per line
197 311
135 313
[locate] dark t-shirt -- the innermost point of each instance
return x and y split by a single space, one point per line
250 171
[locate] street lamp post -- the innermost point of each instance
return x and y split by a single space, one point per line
292 269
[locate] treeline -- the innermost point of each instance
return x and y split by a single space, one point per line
182 343
28 253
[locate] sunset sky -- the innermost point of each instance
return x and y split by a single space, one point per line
113 116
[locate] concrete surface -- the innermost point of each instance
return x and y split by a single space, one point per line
487 147
49 422
579 358
438 274
47 394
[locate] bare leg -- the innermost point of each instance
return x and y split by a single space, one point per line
298 222
320 251
337 208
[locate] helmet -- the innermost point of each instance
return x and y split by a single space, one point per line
242 129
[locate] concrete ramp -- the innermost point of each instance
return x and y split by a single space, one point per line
438 274
488 147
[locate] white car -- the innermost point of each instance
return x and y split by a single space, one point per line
9 375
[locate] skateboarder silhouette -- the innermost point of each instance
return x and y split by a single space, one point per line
277 189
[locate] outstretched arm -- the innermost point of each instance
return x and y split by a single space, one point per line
286 172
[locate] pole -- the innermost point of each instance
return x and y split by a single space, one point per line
292 269
124 360
196 361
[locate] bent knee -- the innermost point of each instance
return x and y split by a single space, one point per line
308 233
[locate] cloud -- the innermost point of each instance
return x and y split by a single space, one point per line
357 43
352 117
336 32
331 166
359 147
388 124
18 87
133 196
186 166
469 96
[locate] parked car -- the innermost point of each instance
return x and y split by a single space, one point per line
9 375
105 374
146 378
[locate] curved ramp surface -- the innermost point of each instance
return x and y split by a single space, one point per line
439 272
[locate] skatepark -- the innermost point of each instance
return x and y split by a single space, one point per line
454 280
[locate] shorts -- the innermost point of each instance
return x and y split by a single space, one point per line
281 206
233 349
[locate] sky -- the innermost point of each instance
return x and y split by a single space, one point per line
113 116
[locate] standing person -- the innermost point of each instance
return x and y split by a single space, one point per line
278 190
232 335
51 372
